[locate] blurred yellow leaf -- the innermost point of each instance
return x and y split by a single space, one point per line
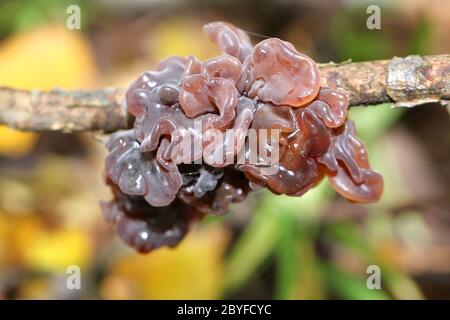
47 57
181 37
193 270
16 197
35 289
51 250
15 143
5 231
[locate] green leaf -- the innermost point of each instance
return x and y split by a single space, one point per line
287 259
262 235
373 121
254 246
350 286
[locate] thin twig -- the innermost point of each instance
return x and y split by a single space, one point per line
409 81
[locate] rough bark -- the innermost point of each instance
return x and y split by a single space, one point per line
58 110
409 81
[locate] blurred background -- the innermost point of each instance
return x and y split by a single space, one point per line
314 247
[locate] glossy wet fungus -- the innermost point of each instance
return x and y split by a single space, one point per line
269 86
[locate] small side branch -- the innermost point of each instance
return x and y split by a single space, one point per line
409 81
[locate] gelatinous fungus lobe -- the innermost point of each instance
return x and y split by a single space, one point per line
282 75
159 191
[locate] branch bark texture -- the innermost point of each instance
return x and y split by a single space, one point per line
409 81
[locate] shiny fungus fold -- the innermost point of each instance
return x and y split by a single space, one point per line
160 187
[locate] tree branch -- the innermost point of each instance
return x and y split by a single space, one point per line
58 110
406 81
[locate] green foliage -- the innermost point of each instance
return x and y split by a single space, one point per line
420 39
349 286
353 40
373 121
255 245
17 16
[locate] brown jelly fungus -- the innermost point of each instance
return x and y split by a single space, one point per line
267 86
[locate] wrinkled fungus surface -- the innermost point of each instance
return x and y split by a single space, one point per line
159 190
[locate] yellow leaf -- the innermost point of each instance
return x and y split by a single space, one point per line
181 37
15 143
35 289
193 270
47 57
52 250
